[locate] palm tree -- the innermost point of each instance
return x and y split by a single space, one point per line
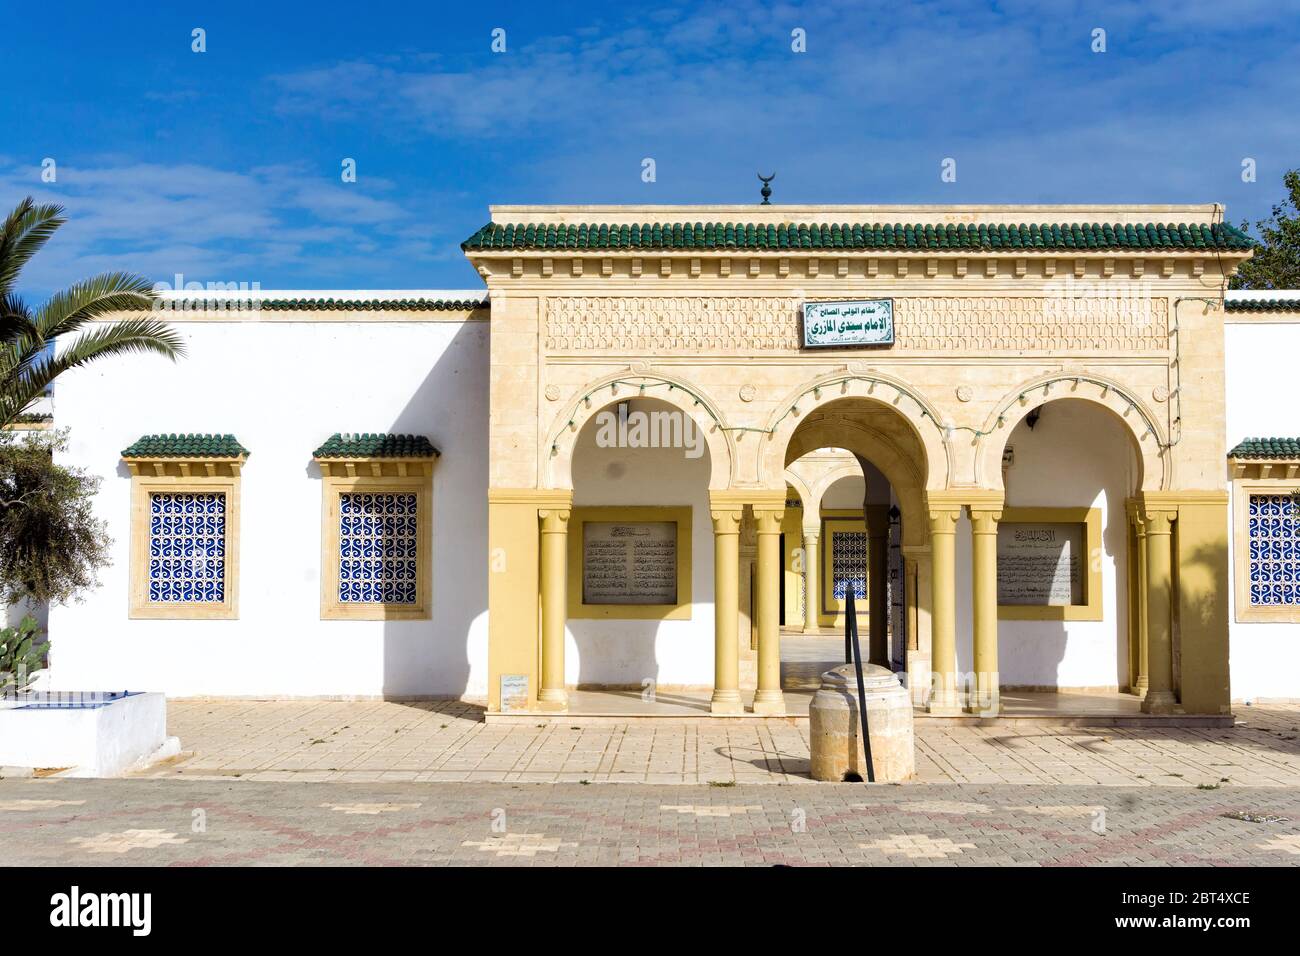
28 361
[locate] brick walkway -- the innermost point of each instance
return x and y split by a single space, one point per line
371 741
185 822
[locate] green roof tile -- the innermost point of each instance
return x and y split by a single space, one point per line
1267 448
328 304
724 236
1282 304
375 445
186 446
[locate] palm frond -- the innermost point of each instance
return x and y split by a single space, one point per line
16 319
23 389
24 232
106 294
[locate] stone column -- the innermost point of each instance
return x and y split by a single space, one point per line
1159 698
986 700
551 694
1140 680
943 609
877 521
726 614
811 580
767 697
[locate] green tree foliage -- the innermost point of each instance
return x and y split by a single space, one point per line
51 543
1276 263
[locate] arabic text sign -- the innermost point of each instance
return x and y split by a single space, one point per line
845 324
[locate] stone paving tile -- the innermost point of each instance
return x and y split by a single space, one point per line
151 822
447 741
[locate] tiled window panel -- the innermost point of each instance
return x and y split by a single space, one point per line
187 548
849 564
1273 536
378 548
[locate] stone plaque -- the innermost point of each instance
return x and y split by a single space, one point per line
845 324
1041 563
629 562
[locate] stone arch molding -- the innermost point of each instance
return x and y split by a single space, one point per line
885 390
902 472
811 495
585 403
1151 440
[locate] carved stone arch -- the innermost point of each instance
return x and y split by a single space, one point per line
1150 439
885 391
580 407
899 466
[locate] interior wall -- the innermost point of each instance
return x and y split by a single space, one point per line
629 652
1077 455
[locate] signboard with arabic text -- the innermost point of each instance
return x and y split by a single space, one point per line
839 325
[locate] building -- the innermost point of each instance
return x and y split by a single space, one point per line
1029 437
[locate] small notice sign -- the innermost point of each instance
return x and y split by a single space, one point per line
838 325
514 692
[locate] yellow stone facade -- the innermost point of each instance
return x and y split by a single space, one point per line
983 337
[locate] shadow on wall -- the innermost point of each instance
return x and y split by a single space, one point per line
432 657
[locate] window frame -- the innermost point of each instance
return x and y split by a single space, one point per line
375 476
1090 577
1242 490
182 476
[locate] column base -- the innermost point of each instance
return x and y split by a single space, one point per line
552 701
944 704
1140 688
726 702
985 708
1160 702
769 702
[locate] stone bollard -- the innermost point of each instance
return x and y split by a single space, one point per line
833 726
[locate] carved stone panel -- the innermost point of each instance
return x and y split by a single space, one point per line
752 324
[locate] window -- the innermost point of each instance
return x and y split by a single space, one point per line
376 527
187 547
378 548
185 526
1266 543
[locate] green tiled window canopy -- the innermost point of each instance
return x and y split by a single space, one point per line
186 445
1043 237
1267 448
375 445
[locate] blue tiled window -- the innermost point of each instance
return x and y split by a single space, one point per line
187 548
849 564
1274 540
378 553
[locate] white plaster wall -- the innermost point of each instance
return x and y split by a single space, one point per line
627 652
1264 658
1078 455
282 388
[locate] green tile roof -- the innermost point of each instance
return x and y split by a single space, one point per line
186 446
331 304
1267 448
1065 237
375 445
1284 304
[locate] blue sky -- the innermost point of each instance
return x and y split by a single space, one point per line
225 165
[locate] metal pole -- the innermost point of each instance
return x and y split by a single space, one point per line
851 628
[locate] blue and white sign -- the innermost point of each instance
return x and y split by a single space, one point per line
837 325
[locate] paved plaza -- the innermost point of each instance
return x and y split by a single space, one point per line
218 823
448 742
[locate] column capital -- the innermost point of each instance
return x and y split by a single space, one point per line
813 532
768 518
554 520
726 520
1158 521
985 520
943 520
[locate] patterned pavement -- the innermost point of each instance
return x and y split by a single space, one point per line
187 822
448 742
